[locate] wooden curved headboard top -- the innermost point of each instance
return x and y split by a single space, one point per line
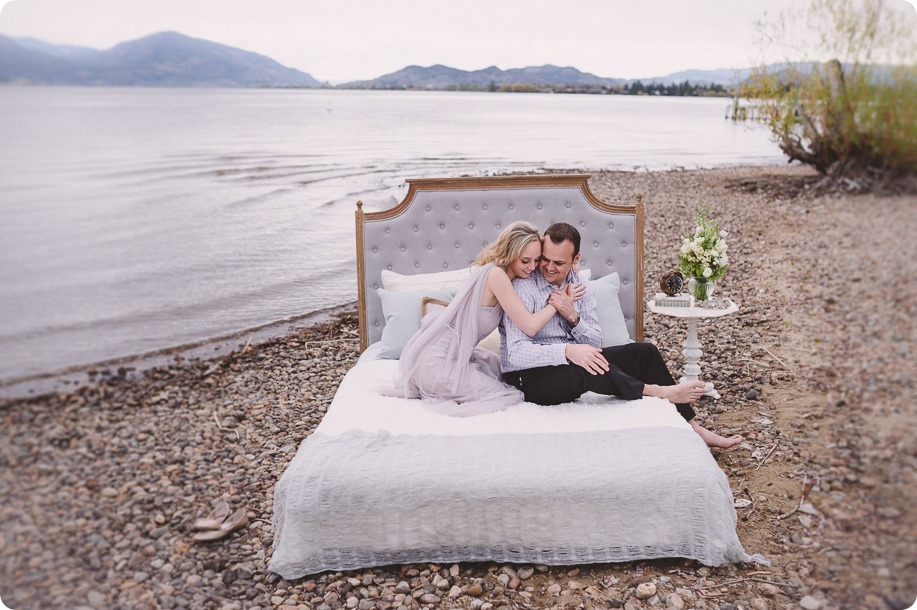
443 224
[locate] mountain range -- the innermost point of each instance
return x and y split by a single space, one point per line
170 59
443 77
167 59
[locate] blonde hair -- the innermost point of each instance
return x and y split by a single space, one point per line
509 244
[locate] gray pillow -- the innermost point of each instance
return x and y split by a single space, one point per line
402 317
608 309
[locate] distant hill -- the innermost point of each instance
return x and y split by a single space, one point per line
444 77
725 77
167 59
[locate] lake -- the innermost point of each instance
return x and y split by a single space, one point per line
139 219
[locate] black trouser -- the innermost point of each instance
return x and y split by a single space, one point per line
631 367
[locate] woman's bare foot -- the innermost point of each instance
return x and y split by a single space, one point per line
685 392
715 440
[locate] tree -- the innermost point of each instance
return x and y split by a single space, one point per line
845 96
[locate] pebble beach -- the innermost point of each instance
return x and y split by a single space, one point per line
100 483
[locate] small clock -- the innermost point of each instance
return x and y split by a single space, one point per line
672 283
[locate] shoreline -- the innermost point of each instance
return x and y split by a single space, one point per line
815 371
70 377
129 367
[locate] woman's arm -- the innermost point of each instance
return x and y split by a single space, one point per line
502 288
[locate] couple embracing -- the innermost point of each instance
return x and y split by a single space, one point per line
550 340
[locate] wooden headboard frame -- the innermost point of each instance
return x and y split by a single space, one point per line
443 223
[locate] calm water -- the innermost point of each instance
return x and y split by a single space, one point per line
137 219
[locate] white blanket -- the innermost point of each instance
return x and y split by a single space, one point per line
383 481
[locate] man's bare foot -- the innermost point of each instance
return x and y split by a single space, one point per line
685 392
715 440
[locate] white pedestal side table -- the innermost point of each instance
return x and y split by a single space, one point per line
692 351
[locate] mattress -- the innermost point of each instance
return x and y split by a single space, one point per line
383 480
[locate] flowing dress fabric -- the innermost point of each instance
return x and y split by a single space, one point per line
442 364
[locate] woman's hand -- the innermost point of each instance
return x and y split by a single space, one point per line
563 303
576 290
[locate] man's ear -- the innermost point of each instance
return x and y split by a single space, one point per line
576 261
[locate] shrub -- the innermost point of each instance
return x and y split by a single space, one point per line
844 98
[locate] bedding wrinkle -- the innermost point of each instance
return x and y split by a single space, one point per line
548 497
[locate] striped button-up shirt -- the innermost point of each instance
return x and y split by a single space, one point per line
518 351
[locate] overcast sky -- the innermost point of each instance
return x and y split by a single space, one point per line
341 40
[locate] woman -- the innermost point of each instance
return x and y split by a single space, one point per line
441 362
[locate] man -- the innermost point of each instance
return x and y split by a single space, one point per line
565 359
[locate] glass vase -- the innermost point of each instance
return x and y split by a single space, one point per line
701 289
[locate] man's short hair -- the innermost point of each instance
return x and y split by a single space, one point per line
560 232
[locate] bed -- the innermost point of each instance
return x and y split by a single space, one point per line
383 480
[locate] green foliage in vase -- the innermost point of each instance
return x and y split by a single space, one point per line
703 253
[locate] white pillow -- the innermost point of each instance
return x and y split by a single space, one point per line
402 317
396 282
608 310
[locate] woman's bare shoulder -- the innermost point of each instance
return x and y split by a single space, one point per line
497 274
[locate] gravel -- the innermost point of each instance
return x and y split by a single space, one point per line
101 484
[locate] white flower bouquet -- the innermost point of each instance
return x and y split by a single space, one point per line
703 254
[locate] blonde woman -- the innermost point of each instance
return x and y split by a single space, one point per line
442 364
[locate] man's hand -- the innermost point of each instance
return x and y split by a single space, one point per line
586 356
563 303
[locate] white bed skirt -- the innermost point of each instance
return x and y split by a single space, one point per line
384 481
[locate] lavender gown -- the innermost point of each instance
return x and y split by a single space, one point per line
442 364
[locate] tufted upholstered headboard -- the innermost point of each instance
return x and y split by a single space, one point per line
443 224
